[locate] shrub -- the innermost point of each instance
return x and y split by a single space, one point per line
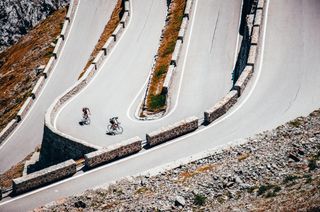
157 101
263 188
312 164
161 70
290 178
199 199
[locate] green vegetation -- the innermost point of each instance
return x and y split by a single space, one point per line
199 199
157 101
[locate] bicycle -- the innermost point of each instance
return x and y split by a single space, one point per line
86 120
114 128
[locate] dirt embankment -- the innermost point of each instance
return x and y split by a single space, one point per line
17 63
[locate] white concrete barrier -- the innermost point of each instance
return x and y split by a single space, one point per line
187 9
8 129
64 29
57 48
127 7
252 55
37 88
221 107
108 45
24 109
176 53
260 4
168 80
243 79
44 176
172 131
117 32
125 19
49 67
113 152
98 59
255 35
258 17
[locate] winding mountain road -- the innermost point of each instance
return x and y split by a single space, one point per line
90 19
285 85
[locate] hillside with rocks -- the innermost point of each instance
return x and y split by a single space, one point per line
277 170
17 17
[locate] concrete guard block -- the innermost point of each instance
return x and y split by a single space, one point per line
64 30
117 32
260 4
98 59
125 19
44 176
221 107
172 131
255 35
24 109
176 53
8 129
113 152
127 6
181 34
258 18
108 45
243 80
57 48
252 55
187 10
37 88
49 67
168 80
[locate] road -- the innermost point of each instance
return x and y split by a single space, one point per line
206 72
285 85
89 22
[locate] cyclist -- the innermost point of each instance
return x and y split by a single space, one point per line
114 122
85 114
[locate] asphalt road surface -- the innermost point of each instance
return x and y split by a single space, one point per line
285 85
205 73
89 22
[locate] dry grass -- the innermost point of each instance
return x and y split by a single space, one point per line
202 169
14 172
170 36
17 78
107 32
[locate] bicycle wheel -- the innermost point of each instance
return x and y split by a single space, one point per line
109 128
119 130
87 121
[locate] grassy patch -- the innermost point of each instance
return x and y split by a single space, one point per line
199 199
157 101
312 164
107 32
295 123
167 45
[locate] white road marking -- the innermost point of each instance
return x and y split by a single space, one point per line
163 145
98 71
46 82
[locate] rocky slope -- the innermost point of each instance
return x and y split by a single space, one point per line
17 17
277 170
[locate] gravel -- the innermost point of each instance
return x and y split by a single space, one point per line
275 170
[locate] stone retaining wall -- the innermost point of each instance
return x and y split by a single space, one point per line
8 129
243 80
221 107
57 147
114 152
44 177
172 131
